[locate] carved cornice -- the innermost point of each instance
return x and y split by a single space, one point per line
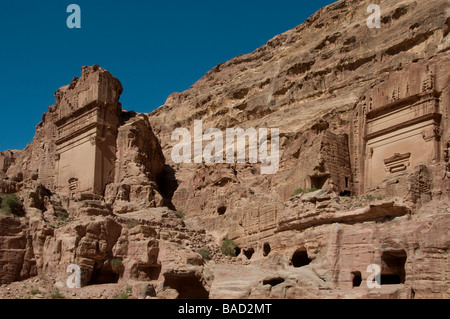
427 96
436 117
398 162
76 114
73 135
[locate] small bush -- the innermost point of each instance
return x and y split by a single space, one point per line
35 292
64 216
205 253
298 191
228 247
62 220
302 191
10 205
116 265
370 198
180 214
132 223
56 294
124 294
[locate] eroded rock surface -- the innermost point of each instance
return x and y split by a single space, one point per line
364 174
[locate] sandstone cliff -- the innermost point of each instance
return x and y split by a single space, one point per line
364 174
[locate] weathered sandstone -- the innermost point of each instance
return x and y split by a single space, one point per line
364 174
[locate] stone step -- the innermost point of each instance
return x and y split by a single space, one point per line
92 211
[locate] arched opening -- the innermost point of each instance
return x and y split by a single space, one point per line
393 267
357 279
249 253
103 274
300 258
237 251
345 194
266 249
189 286
147 272
318 182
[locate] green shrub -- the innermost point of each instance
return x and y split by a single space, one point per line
63 219
10 205
180 214
132 223
64 216
116 265
205 253
228 248
302 191
298 191
56 294
124 294
370 198
35 292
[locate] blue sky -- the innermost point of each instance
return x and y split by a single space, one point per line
154 48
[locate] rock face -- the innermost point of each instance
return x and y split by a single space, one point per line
139 165
16 254
361 112
363 180
89 185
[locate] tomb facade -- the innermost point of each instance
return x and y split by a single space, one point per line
86 118
397 125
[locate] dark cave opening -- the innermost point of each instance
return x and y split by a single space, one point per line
189 286
249 253
103 275
222 210
393 267
318 182
345 194
266 249
300 258
391 280
357 279
148 272
273 281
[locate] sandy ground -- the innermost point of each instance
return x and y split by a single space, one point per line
43 287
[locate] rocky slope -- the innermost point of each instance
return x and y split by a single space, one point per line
314 83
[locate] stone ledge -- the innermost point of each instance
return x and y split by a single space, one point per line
371 213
